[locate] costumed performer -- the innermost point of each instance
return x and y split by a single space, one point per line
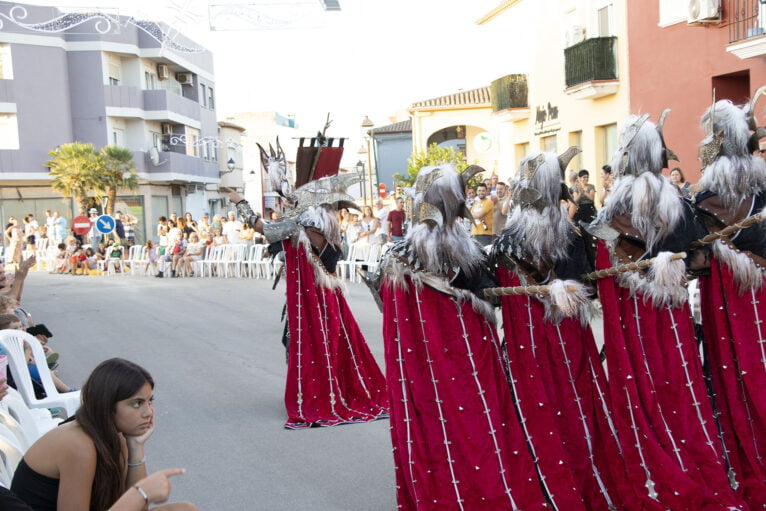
659 399
733 297
457 440
553 359
332 377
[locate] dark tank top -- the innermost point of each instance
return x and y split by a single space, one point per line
38 491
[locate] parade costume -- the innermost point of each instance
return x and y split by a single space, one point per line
733 295
660 405
457 439
332 378
553 361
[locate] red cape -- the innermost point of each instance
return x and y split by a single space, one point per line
332 378
458 443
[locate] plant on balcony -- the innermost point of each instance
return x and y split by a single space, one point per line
509 92
119 172
434 155
76 171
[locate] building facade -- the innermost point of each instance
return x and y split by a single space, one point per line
106 80
680 56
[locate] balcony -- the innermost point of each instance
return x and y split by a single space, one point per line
591 68
747 30
509 98
157 105
174 166
123 96
171 102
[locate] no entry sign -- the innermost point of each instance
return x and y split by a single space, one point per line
81 224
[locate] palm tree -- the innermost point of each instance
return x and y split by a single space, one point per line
119 173
76 170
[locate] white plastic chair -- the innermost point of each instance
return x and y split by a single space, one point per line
254 256
344 266
235 255
212 259
13 343
10 455
34 422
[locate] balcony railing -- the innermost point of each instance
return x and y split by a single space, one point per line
509 92
591 59
746 19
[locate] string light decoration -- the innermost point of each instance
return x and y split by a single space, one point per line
103 23
211 141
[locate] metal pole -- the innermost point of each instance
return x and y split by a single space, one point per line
369 164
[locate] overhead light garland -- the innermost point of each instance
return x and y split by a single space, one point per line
103 23
215 142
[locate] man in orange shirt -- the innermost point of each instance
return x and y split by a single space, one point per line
482 211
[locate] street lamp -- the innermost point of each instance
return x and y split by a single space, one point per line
229 165
360 169
367 123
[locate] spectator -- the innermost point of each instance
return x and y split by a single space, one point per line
89 462
90 262
119 228
381 213
193 253
470 197
232 228
189 221
275 216
216 223
482 212
203 227
677 179
353 229
499 213
151 256
76 258
50 227
94 236
369 224
173 232
61 262
115 256
396 219
177 251
162 227
218 238
129 223
606 184
247 234
584 195
31 232
15 238
59 227
493 180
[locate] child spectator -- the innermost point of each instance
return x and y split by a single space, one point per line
62 259
151 256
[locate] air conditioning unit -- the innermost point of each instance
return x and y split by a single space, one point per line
167 128
185 78
701 11
162 71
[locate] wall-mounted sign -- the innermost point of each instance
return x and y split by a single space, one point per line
547 119
482 142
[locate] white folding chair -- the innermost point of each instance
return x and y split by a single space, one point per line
13 343
344 266
254 256
212 259
233 261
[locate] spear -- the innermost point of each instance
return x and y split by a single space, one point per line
727 231
600 274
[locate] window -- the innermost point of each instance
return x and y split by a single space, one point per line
113 81
6 66
9 131
192 141
522 150
118 137
604 15
213 151
210 99
114 67
205 150
157 140
150 79
606 143
548 144
204 94
672 12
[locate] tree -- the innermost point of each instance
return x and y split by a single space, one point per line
434 155
76 170
119 172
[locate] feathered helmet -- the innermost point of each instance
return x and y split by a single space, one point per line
642 147
439 194
540 179
329 191
728 128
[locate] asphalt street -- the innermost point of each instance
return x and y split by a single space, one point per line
213 348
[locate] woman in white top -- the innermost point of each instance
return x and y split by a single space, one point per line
369 224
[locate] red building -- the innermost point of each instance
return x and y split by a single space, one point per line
681 50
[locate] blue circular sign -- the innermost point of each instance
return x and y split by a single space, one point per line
105 224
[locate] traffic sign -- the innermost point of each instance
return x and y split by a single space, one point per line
81 224
105 224
382 190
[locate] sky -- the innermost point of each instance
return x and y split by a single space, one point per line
372 58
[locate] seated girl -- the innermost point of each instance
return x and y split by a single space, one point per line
92 459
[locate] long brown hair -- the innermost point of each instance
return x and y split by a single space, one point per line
111 381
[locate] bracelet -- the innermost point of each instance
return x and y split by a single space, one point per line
143 460
142 492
